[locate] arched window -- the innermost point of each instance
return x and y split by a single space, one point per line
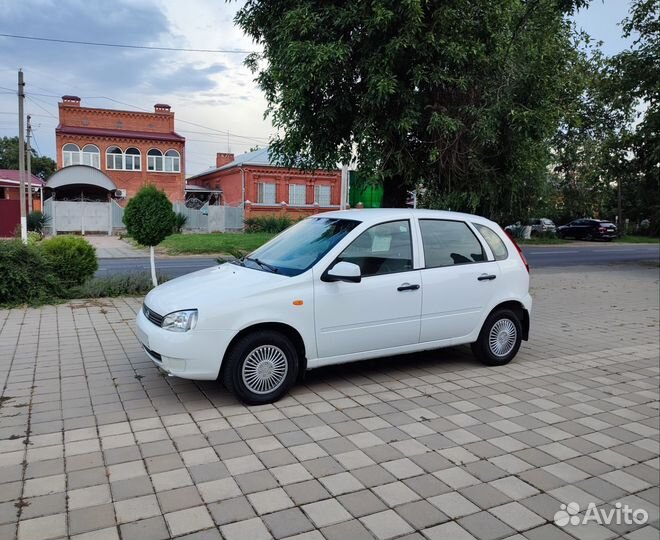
114 159
172 161
154 160
70 154
132 159
91 156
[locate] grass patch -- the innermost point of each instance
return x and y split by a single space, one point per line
213 243
637 239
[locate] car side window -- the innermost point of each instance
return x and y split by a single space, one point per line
448 243
382 249
494 241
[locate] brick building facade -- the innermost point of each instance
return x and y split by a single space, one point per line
132 148
252 180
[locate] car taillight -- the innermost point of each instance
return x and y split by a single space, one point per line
602 229
522 255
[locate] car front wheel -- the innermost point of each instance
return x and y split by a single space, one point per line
499 339
260 367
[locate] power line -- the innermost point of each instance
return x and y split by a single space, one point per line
34 101
125 46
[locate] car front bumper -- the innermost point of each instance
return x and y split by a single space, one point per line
189 355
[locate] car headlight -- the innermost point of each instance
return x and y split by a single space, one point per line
180 321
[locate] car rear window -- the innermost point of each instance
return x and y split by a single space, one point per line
494 241
447 243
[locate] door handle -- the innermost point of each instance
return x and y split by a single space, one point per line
407 287
486 277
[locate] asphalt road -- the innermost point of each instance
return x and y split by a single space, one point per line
537 256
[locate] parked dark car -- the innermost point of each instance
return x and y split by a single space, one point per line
588 229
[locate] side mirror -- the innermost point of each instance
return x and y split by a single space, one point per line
343 271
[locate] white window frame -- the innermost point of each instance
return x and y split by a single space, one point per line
323 195
92 159
71 157
263 189
117 159
172 163
297 194
155 162
133 159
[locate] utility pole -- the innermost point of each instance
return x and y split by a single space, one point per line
21 154
343 189
28 150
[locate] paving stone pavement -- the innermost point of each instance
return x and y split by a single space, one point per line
96 445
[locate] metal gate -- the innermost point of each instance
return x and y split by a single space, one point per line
81 216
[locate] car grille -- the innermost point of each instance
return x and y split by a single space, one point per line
154 317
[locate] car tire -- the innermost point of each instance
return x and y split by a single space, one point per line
260 367
588 237
493 348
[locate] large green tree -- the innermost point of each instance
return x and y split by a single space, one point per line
42 166
590 148
460 96
635 79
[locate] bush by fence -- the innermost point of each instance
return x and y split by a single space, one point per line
267 224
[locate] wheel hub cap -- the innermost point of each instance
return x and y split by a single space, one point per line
264 369
502 337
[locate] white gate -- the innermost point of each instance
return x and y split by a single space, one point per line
81 216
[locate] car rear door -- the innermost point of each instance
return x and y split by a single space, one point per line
458 280
380 312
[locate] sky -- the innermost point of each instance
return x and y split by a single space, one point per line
218 106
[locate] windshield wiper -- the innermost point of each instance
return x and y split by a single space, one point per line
267 266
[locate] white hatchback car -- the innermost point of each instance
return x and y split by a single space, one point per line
339 287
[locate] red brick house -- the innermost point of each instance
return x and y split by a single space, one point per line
10 207
254 181
131 148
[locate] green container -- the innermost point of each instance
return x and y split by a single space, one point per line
370 194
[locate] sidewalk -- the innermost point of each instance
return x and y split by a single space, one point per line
112 247
95 444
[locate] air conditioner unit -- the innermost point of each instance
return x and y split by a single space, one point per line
120 193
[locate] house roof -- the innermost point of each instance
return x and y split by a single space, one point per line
256 157
80 174
120 133
12 176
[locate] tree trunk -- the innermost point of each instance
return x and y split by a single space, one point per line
394 192
153 266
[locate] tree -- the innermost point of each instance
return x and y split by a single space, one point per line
459 96
635 78
149 219
590 147
42 166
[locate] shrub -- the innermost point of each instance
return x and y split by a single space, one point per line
37 222
27 275
149 217
267 224
34 238
122 285
72 258
180 221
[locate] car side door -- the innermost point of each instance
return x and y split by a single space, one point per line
458 280
383 310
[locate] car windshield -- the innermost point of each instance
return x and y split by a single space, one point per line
300 247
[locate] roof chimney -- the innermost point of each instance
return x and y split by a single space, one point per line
71 101
162 108
222 159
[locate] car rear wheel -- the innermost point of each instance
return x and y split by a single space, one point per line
260 367
499 339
